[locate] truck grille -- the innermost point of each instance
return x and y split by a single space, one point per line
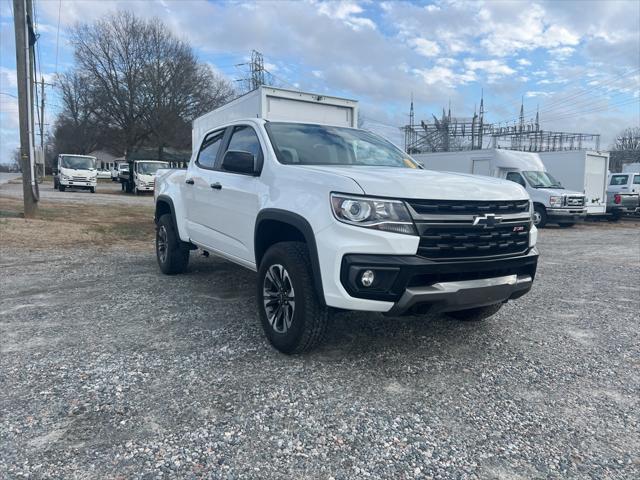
79 179
447 229
468 207
439 242
575 201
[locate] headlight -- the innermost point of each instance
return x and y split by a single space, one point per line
555 202
142 184
66 177
387 215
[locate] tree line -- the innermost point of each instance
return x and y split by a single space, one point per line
134 84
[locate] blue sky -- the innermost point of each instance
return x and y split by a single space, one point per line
579 62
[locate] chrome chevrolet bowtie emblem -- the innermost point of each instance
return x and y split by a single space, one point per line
487 220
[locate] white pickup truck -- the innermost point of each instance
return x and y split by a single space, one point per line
332 217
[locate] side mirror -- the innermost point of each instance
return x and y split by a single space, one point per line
238 161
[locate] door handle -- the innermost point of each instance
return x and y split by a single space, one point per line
189 181
216 186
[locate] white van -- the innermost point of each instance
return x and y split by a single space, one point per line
552 202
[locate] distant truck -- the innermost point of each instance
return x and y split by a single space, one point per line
623 194
75 171
551 201
584 171
140 176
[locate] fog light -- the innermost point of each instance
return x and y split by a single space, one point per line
367 278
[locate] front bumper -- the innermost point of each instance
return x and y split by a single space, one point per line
78 183
567 214
416 284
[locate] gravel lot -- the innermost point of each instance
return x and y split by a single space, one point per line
110 370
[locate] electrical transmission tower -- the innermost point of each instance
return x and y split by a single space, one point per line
257 70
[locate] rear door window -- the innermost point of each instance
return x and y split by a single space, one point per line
209 150
619 179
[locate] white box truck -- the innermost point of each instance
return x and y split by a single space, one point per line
277 104
552 202
584 171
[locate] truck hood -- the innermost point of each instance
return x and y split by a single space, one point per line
428 184
560 192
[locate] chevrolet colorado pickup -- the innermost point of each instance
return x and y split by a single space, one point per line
339 218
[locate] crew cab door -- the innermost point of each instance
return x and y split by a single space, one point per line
222 206
197 193
238 196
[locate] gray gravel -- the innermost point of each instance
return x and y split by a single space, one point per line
111 370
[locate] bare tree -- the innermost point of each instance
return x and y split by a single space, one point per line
629 139
179 89
144 85
75 129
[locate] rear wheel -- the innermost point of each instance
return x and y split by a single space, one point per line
539 216
476 314
171 252
292 315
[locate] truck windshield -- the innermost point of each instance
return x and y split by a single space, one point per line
541 180
149 168
306 144
78 163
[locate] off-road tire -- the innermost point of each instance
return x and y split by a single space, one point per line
176 257
542 212
476 314
310 317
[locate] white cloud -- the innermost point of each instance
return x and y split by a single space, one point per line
562 53
493 67
533 94
444 76
347 12
524 62
425 47
8 79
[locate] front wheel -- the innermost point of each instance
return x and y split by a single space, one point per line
292 315
476 314
61 187
171 252
92 189
539 216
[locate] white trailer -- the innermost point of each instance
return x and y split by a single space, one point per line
278 104
583 171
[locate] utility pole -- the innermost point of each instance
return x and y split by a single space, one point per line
257 70
25 107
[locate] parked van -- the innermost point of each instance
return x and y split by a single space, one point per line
552 202
75 171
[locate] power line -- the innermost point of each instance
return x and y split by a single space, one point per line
58 34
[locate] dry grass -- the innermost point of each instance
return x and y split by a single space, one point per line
65 225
